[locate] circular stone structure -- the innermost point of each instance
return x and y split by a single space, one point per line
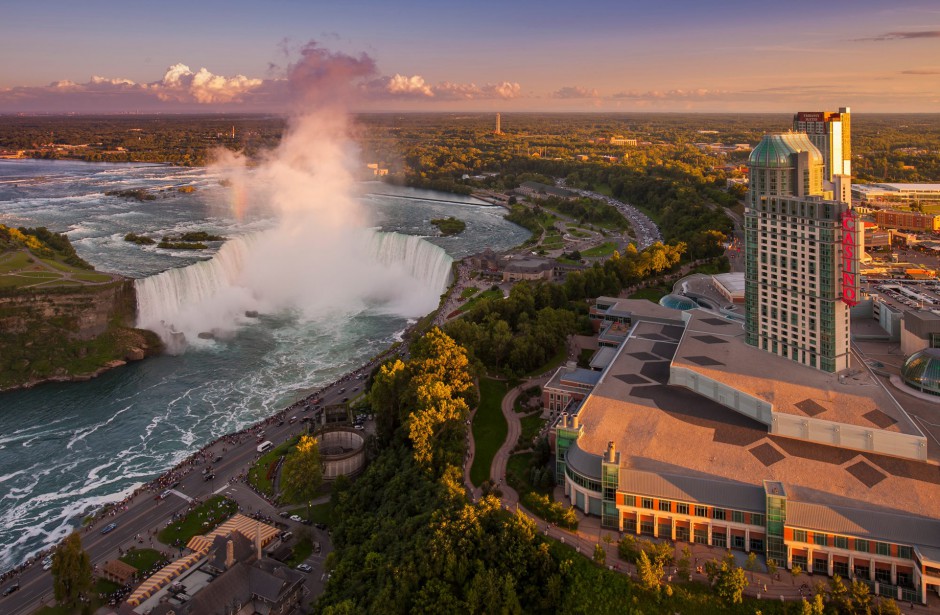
342 452
677 302
921 371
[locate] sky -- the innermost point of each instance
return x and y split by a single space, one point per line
99 56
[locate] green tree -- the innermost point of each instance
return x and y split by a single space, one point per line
71 570
302 473
727 578
684 563
599 554
838 594
861 597
772 569
649 572
751 564
796 571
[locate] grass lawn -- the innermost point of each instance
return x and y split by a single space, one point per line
530 428
489 428
584 357
567 261
200 520
142 559
603 189
258 474
653 294
486 294
302 551
605 249
319 513
92 277
469 292
576 233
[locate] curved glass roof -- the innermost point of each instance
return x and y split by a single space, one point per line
677 302
922 371
775 150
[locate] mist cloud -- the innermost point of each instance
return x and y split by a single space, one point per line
574 92
906 35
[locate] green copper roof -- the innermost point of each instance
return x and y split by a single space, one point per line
922 371
775 150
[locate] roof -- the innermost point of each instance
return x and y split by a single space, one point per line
740 496
603 357
119 569
650 422
776 150
888 526
733 282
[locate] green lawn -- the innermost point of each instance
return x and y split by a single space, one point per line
302 551
530 428
605 249
489 428
584 357
92 277
201 520
258 474
319 513
576 233
469 292
486 294
653 294
142 559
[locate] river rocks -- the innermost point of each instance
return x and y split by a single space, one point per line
251 314
134 354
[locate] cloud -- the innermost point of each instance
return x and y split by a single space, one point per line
677 94
894 36
181 84
574 92
921 71
400 84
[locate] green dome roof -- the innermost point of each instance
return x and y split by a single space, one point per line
677 302
922 371
776 150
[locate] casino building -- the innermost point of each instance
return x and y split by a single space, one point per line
774 437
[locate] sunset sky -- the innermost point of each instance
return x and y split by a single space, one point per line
672 55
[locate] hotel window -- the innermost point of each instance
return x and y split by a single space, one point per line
701 511
629 500
757 519
882 548
799 535
737 516
861 546
648 503
682 509
820 539
718 514
665 505
905 553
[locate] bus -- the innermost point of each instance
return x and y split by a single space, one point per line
265 446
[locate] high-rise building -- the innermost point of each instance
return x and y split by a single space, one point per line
831 133
498 129
802 253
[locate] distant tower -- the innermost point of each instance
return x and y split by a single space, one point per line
233 133
498 130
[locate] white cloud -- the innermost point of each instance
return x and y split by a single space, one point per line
570 91
180 83
400 84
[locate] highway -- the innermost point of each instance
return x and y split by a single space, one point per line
144 513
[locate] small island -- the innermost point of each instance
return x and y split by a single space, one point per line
140 194
141 240
449 226
181 245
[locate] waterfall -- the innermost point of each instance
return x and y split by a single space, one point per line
268 272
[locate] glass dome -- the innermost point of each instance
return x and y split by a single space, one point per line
922 371
677 302
775 150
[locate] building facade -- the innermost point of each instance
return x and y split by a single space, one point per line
795 247
831 133
907 220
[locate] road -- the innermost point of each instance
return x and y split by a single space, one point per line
647 233
144 513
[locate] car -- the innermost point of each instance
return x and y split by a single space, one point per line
285 536
345 399
292 420
209 476
316 547
164 495
305 568
296 518
358 426
218 458
108 528
12 588
284 514
320 526
47 563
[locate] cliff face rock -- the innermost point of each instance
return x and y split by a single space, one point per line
69 333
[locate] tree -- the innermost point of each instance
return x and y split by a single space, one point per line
684 564
599 554
816 607
838 594
887 606
751 564
796 571
861 597
302 473
772 569
649 572
71 570
727 578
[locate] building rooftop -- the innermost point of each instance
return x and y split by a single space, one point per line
715 348
775 150
673 432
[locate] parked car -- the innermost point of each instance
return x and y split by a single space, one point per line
209 476
304 568
296 518
108 528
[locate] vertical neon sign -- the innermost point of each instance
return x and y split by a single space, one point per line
850 257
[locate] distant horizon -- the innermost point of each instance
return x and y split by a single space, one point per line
106 57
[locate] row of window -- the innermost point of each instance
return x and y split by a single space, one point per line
682 508
859 544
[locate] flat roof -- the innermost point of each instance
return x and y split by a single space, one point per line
716 349
733 282
670 430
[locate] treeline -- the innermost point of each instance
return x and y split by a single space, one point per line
587 210
43 243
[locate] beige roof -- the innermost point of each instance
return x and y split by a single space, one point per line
671 430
